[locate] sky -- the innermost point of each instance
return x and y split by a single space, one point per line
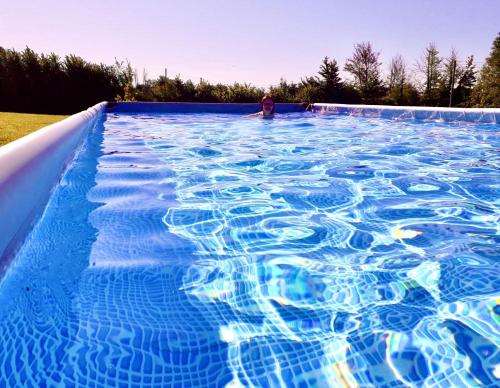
251 41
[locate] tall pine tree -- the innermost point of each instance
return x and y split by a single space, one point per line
330 79
451 73
466 83
430 67
487 91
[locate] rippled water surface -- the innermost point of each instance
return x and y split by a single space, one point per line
207 250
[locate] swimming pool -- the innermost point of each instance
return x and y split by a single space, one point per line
307 250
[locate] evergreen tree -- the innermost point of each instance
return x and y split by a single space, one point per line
364 65
451 73
466 83
430 67
330 79
32 71
487 91
38 83
12 81
52 83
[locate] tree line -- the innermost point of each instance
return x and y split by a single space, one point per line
39 83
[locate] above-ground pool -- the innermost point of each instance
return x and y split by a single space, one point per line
221 249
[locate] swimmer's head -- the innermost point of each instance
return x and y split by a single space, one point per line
267 105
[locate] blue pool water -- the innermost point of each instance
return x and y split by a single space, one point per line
308 250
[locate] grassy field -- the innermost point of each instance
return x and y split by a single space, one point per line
16 125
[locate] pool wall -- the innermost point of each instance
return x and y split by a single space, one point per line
476 115
30 168
190 107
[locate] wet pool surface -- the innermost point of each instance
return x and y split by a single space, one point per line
307 250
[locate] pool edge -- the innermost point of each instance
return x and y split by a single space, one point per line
30 168
473 115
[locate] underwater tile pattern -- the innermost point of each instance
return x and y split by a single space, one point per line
225 250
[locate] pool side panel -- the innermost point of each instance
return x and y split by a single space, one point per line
30 167
191 107
475 115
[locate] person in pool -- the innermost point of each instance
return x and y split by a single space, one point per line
267 107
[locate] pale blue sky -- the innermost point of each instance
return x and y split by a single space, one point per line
254 41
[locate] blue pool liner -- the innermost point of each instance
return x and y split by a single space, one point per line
39 159
391 312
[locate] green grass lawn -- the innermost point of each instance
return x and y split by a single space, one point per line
16 125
